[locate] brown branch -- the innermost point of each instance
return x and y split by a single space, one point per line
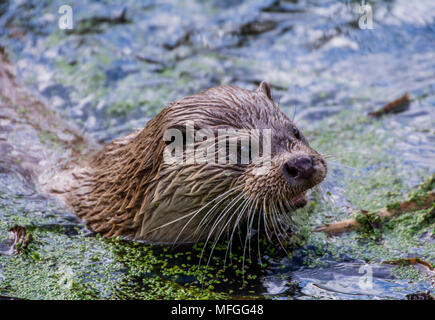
422 202
398 105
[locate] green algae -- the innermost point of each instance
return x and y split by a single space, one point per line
371 178
97 268
369 175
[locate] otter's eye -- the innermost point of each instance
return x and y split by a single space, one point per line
296 133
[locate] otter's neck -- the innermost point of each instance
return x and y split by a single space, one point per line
110 196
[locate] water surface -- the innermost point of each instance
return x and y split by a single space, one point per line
125 60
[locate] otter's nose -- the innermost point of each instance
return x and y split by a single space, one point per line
298 169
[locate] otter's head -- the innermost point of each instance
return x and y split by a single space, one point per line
215 195
136 192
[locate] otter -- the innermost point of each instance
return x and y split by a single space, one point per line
128 190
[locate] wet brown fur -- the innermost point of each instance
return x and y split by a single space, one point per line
128 190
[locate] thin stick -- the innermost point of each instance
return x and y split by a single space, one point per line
423 202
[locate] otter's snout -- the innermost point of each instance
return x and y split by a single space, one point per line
300 168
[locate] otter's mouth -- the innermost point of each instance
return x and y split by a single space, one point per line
299 201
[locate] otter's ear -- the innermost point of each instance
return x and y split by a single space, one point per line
265 88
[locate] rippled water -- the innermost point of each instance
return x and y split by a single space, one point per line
125 60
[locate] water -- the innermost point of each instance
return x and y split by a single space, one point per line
125 60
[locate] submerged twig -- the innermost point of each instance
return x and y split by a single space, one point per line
423 266
398 105
421 201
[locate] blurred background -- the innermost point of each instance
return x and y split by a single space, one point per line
329 64
125 60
